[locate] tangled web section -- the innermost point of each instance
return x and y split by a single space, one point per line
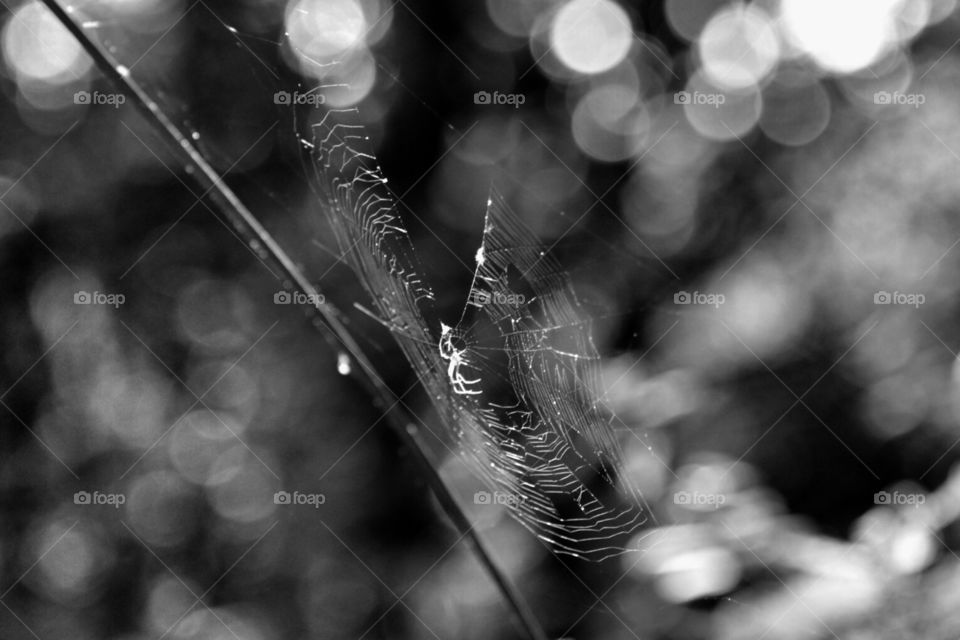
522 411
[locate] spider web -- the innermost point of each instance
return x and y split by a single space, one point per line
522 412
514 379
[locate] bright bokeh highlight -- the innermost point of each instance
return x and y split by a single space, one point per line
321 30
591 36
36 47
842 36
739 47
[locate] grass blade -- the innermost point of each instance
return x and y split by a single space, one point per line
337 335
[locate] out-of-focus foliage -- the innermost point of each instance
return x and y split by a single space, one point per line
758 201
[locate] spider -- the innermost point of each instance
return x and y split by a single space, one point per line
456 359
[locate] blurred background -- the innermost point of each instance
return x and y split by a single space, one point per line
756 203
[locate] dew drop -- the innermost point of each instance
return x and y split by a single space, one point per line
195 135
343 364
123 71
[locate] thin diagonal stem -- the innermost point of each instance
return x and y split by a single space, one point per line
337 335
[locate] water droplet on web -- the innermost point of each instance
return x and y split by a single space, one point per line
195 135
343 364
123 71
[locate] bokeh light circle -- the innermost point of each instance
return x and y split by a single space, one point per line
37 47
794 116
591 36
720 115
160 508
739 47
609 123
842 37
351 81
320 30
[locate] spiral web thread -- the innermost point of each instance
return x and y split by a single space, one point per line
538 437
